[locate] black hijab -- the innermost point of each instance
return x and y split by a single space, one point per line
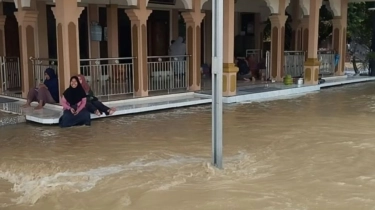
74 95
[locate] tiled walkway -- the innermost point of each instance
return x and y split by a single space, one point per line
50 114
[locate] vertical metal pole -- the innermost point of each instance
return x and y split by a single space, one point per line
217 82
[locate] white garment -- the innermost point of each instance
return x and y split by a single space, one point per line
178 48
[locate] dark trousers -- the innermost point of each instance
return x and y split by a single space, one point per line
94 105
41 94
68 119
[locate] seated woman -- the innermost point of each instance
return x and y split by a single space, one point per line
73 102
93 104
48 92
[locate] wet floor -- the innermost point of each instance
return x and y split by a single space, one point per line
312 152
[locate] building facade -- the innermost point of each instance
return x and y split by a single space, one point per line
96 35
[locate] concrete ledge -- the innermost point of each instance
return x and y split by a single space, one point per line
349 80
270 94
128 107
332 78
121 102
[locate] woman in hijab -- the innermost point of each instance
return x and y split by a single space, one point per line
93 104
73 102
48 92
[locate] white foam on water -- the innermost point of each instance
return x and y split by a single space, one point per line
364 178
362 200
285 97
236 167
32 187
168 115
167 186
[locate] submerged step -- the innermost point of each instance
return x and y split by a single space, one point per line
11 119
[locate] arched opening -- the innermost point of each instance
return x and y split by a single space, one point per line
12 46
158 32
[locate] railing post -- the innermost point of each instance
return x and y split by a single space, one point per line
109 76
268 70
294 63
168 73
327 62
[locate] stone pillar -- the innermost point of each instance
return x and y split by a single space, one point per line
312 63
229 68
138 18
277 46
339 24
174 24
193 21
28 35
208 37
94 46
42 29
304 27
112 31
67 13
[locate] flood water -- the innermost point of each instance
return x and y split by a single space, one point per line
312 152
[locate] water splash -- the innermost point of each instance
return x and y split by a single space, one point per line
32 187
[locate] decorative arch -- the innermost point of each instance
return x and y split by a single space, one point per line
274 5
132 2
24 3
203 2
305 6
334 6
265 12
289 10
188 4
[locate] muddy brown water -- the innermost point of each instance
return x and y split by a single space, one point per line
312 152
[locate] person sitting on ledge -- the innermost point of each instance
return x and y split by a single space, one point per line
73 102
47 92
93 104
